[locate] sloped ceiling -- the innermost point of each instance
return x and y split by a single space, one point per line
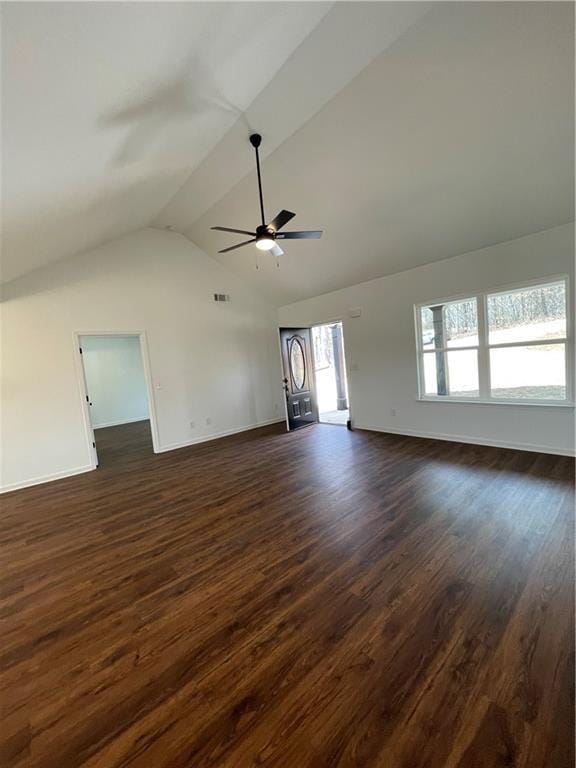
458 136
108 107
409 132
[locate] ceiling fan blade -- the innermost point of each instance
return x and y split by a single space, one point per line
276 251
233 247
236 231
281 219
310 235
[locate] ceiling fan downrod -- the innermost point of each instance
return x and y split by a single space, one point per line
266 235
256 140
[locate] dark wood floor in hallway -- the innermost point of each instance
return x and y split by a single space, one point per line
319 599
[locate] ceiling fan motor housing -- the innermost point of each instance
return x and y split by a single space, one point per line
265 230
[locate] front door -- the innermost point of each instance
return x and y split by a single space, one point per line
298 377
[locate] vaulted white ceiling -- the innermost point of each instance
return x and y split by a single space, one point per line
107 108
458 136
409 132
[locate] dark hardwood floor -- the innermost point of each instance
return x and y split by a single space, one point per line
319 599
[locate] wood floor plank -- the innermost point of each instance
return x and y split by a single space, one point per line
323 598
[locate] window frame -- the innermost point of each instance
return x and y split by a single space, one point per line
484 347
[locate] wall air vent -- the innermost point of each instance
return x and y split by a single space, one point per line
221 297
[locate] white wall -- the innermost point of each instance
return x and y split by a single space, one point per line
380 345
208 361
115 379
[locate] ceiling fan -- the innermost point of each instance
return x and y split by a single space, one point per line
266 235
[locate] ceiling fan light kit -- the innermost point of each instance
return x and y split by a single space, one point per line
264 239
266 235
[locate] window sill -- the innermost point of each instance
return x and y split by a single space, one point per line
476 401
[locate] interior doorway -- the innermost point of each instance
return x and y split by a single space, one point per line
330 373
117 395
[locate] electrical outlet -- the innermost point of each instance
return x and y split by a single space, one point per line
192 424
208 421
393 412
275 407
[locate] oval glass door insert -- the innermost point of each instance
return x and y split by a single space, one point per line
297 363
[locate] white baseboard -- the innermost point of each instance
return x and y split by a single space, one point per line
45 479
121 421
218 435
532 447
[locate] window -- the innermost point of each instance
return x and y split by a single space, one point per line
527 343
497 347
449 340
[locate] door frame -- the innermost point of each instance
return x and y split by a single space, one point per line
346 368
83 387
